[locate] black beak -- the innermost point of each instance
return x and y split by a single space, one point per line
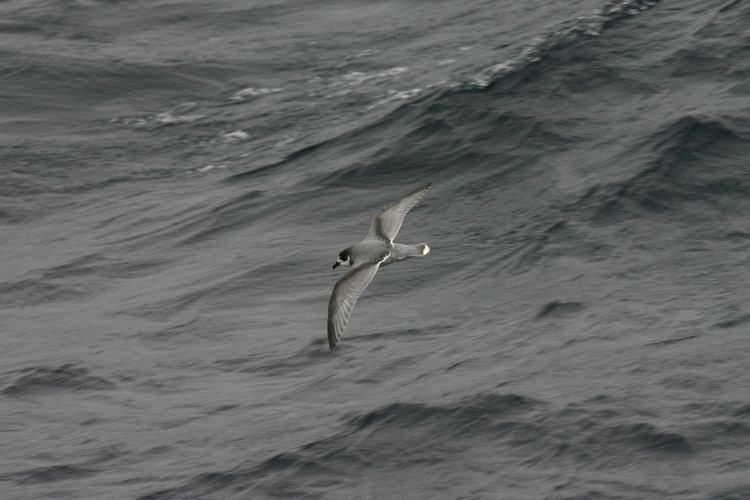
335 265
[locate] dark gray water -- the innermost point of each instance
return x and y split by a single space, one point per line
178 177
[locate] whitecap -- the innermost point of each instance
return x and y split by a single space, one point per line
395 95
169 118
591 25
237 135
358 77
208 168
287 140
249 92
396 70
405 94
365 53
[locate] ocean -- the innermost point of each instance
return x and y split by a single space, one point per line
178 177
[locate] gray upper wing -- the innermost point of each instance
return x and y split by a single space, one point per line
345 294
386 223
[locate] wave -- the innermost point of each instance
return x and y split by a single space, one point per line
430 137
556 309
734 322
77 279
470 414
558 37
36 79
693 159
731 493
49 474
648 437
403 436
66 377
413 431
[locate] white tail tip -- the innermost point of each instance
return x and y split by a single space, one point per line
426 249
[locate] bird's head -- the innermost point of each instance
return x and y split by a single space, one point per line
344 257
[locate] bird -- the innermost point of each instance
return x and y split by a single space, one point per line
366 257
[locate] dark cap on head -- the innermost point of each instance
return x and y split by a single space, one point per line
344 256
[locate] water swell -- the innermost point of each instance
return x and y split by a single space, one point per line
578 326
76 279
395 434
559 37
49 474
682 170
465 414
429 116
33 76
402 435
46 380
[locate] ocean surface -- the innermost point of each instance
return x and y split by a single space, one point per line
177 178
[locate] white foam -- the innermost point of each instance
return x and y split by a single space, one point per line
395 95
169 118
236 136
590 25
358 77
285 141
250 92
208 168
176 116
407 94
396 70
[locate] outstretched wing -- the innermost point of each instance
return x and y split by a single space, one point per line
345 294
387 222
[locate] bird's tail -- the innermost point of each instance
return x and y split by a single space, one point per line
401 252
